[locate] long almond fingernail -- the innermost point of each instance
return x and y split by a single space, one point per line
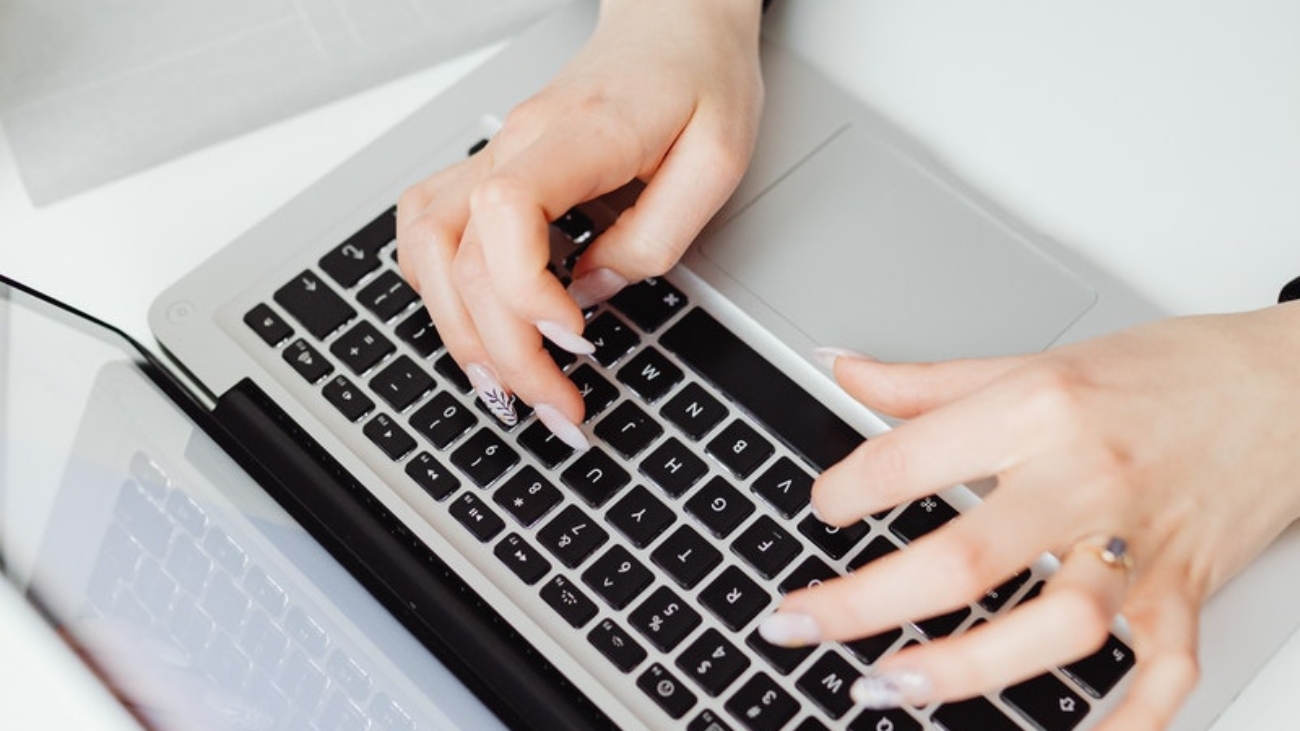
563 429
790 629
891 689
565 338
596 286
490 391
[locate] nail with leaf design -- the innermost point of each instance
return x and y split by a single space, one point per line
500 402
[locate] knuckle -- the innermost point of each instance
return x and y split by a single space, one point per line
497 192
1183 670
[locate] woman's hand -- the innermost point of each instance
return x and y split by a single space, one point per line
668 92
1179 437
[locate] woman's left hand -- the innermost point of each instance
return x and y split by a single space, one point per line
1180 437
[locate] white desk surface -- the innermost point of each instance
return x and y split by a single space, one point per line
1160 138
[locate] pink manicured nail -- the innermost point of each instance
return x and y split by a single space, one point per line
565 338
891 689
563 429
490 391
826 355
595 287
790 629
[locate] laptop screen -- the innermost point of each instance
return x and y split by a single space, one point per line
199 601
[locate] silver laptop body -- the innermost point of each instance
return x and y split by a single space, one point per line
843 233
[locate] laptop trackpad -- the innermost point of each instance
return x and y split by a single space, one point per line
859 247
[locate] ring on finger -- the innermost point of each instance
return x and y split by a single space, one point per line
1110 550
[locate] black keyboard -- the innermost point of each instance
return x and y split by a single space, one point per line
665 543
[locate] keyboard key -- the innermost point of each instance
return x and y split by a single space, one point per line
1101 671
611 337
401 383
694 411
348 398
436 480
307 361
943 624
595 477
707 721
597 392
893 719
359 255
447 368
740 448
734 598
737 370
484 457
812 571
640 516
719 507
389 437
572 536
827 683
270 327
616 645
785 487
664 619
576 225
470 511
617 577
1047 702
527 496
971 714
418 331
361 347
649 303
348 264
782 659
313 303
522 559
628 429
767 547
568 601
921 517
686 556
835 541
443 419
549 449
872 648
665 690
762 705
649 374
995 598
673 467
877 547
712 662
387 295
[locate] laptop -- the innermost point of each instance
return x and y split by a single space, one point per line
620 588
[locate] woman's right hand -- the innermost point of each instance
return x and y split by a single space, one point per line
666 91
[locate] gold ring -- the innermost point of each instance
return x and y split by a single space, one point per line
1112 551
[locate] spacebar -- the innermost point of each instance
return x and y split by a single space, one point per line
757 386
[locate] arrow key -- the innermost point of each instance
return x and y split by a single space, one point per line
1047 702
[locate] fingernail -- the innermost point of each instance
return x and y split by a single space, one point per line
827 355
500 402
595 287
790 629
565 338
891 688
563 429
